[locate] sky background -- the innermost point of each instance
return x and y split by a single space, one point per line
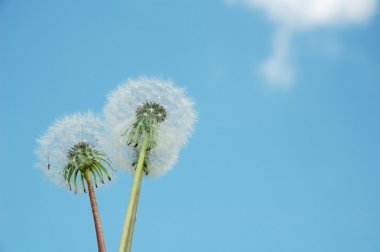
276 164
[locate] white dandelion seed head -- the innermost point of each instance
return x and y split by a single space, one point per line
173 131
54 145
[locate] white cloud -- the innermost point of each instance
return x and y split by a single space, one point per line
292 16
277 69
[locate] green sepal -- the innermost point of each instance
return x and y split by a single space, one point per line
82 178
103 169
69 176
75 180
94 175
99 172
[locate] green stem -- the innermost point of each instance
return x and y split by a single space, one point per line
95 213
130 217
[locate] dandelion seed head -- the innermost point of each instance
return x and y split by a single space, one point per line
173 113
67 138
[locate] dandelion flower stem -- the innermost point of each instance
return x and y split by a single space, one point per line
130 218
95 213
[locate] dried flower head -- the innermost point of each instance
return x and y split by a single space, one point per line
148 106
72 147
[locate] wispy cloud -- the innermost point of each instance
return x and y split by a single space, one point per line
293 16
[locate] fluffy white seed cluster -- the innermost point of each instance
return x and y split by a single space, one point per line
54 145
173 132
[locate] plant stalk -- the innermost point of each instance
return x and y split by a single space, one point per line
130 217
95 213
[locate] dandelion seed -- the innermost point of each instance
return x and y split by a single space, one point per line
70 149
148 120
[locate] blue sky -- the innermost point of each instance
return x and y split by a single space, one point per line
270 167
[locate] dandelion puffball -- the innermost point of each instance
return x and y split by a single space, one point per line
71 147
155 106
